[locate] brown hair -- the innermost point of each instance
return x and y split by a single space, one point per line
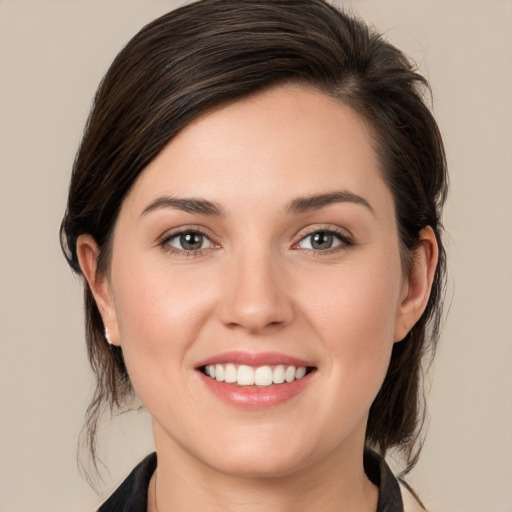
211 52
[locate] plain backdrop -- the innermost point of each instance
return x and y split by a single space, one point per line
52 56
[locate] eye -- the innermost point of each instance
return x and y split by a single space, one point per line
188 241
323 240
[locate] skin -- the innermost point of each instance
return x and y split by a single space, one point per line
258 285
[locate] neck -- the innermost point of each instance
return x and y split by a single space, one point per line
335 483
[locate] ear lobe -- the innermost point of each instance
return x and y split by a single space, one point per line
417 286
88 252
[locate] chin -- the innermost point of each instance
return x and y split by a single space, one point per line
260 457
260 467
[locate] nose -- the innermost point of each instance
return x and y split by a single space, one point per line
256 295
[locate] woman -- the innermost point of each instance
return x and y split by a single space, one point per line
255 209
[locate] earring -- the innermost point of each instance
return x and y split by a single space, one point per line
107 336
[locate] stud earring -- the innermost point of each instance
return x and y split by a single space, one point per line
107 336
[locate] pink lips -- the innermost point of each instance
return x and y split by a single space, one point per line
252 397
250 359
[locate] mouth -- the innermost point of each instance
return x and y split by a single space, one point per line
259 376
256 381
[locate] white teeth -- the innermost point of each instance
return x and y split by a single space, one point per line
248 376
301 371
289 374
278 375
230 373
263 376
245 375
219 372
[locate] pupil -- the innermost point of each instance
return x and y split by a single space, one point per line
322 240
191 241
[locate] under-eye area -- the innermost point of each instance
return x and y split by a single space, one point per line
244 375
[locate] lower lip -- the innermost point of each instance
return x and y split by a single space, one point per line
251 397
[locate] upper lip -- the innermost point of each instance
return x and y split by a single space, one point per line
254 359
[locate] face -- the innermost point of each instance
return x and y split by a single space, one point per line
256 287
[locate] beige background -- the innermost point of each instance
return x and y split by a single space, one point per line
52 56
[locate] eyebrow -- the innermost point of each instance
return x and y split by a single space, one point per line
298 205
318 201
186 204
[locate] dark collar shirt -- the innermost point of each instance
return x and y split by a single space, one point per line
132 494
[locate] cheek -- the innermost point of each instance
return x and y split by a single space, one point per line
355 318
155 304
159 317
361 298
159 314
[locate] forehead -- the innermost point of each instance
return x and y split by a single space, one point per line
284 142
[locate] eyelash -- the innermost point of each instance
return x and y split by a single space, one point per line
164 242
345 241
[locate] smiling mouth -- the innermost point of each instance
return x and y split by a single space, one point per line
261 376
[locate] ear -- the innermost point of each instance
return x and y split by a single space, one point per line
417 285
88 252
